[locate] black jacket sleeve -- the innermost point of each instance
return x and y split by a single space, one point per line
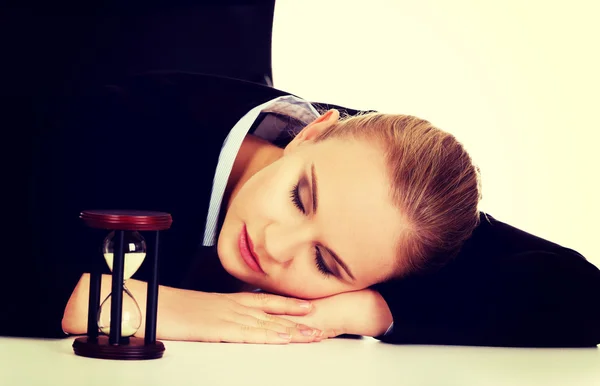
505 288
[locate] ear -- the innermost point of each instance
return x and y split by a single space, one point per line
309 132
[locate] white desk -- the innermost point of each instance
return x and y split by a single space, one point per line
334 362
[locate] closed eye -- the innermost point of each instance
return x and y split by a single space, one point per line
319 261
295 195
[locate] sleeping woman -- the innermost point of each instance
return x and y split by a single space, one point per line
292 222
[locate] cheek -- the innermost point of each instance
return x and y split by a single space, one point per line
265 194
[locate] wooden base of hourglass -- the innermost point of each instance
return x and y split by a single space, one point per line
99 346
135 349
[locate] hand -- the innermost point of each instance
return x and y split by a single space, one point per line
363 312
236 318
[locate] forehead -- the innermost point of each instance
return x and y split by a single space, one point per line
356 215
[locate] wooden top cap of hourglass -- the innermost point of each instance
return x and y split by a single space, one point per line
127 220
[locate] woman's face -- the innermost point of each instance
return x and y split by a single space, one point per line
318 220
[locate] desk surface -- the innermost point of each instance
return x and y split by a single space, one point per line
333 362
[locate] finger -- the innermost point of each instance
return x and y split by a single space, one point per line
320 337
258 314
306 329
324 331
274 318
299 321
332 333
240 333
273 304
306 320
299 334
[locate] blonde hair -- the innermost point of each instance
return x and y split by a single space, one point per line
434 184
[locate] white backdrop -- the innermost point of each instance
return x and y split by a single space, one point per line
517 82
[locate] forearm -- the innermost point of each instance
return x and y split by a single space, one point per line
202 316
76 312
363 312
370 315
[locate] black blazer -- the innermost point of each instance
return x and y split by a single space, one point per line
153 143
150 142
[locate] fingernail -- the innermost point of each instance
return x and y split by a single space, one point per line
308 332
319 333
304 304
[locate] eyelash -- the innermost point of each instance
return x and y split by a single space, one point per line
320 263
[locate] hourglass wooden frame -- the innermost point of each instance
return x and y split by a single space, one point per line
115 346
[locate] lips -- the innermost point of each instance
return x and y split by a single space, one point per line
247 251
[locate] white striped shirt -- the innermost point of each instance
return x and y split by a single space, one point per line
288 115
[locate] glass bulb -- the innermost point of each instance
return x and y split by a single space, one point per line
134 248
131 318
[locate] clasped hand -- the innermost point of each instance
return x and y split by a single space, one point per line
273 319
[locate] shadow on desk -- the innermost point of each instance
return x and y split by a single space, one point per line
349 336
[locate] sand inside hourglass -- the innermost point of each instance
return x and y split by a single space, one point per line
126 328
132 262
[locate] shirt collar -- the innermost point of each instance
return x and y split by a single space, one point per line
290 106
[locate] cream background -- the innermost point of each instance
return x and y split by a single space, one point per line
517 82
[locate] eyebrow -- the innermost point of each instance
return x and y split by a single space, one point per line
315 205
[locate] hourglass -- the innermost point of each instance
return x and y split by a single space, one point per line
113 323
134 249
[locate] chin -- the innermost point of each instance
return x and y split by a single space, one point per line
231 263
227 259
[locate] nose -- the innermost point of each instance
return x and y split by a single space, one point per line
283 243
